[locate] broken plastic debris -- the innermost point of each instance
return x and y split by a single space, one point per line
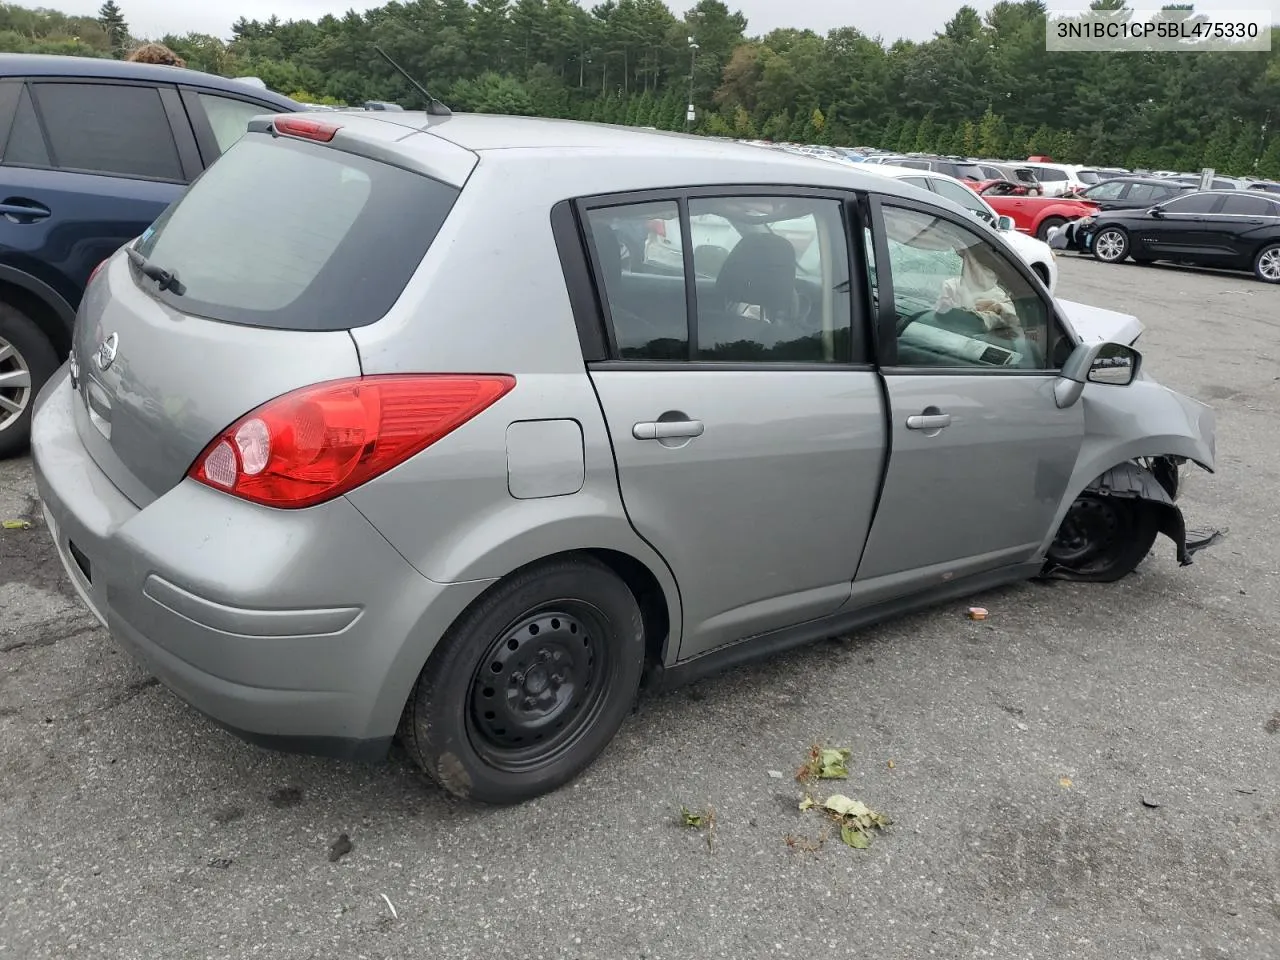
775 774
15 524
977 613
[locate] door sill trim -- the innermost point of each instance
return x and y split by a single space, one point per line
740 652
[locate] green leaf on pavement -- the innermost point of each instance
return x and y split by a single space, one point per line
832 764
854 837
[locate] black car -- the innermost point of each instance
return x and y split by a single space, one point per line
1132 193
1234 229
91 152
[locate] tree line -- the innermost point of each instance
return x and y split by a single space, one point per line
983 85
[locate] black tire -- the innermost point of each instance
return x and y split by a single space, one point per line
1266 265
1113 251
27 361
1047 224
567 634
1103 538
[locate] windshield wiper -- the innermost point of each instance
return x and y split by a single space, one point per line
165 279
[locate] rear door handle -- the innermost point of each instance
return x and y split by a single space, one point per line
929 421
665 429
14 207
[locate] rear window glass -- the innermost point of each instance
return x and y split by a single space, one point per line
297 236
966 171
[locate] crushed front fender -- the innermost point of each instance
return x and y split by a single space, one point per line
1131 480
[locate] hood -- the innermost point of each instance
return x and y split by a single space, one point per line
1093 324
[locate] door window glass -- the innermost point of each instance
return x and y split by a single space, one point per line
1192 203
26 144
1106 191
109 128
770 274
958 301
229 118
1146 193
1249 205
1048 173
966 198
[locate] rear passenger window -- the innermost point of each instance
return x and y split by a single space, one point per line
26 146
1245 205
229 118
770 277
108 128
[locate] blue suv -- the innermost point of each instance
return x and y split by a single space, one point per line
91 152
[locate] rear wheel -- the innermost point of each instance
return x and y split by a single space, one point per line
530 685
1104 538
27 360
1111 245
1047 224
1266 265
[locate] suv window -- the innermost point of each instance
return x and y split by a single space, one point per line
771 278
229 117
1192 203
26 144
108 128
1045 174
913 164
958 301
1249 205
1147 192
296 236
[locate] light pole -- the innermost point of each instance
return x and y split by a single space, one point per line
693 64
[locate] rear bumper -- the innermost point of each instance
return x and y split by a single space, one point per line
302 629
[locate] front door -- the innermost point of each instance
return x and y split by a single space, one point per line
1180 229
981 455
747 424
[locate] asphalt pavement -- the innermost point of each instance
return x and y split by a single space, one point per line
1091 772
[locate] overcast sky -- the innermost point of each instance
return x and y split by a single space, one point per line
913 19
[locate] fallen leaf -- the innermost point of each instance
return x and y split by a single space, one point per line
842 806
806 803
693 820
15 524
1064 781
832 764
890 764
854 838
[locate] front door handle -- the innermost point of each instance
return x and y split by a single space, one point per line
929 421
667 429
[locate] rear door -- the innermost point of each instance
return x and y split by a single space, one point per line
87 165
981 455
1233 232
746 420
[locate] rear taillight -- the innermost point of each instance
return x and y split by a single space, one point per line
293 125
321 441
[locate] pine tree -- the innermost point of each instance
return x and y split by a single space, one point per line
991 135
1217 152
743 128
970 139
111 18
1269 165
1244 154
907 138
926 135
888 138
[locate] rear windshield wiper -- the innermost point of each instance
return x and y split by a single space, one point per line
165 279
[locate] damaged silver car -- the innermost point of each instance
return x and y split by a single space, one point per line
405 423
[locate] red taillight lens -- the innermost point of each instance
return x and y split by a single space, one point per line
305 127
321 441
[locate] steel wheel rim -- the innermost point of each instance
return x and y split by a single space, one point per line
15 384
1269 264
1090 529
1109 245
539 686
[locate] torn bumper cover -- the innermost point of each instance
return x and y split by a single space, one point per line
1133 481
1075 235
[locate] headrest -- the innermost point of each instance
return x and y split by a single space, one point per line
760 270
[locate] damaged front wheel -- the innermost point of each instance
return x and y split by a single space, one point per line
1103 538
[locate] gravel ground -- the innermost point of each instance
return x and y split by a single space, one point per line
1092 772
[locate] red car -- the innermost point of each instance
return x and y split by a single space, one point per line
1035 215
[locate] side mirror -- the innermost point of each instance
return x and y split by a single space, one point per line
1005 224
1155 212
1111 363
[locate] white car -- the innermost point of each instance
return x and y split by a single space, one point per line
1057 179
1035 253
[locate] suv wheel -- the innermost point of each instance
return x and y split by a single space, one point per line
529 685
27 360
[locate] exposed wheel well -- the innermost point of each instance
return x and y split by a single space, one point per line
648 593
44 316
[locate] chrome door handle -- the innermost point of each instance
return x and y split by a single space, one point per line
929 421
665 429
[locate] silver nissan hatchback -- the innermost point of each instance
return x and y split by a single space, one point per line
461 427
